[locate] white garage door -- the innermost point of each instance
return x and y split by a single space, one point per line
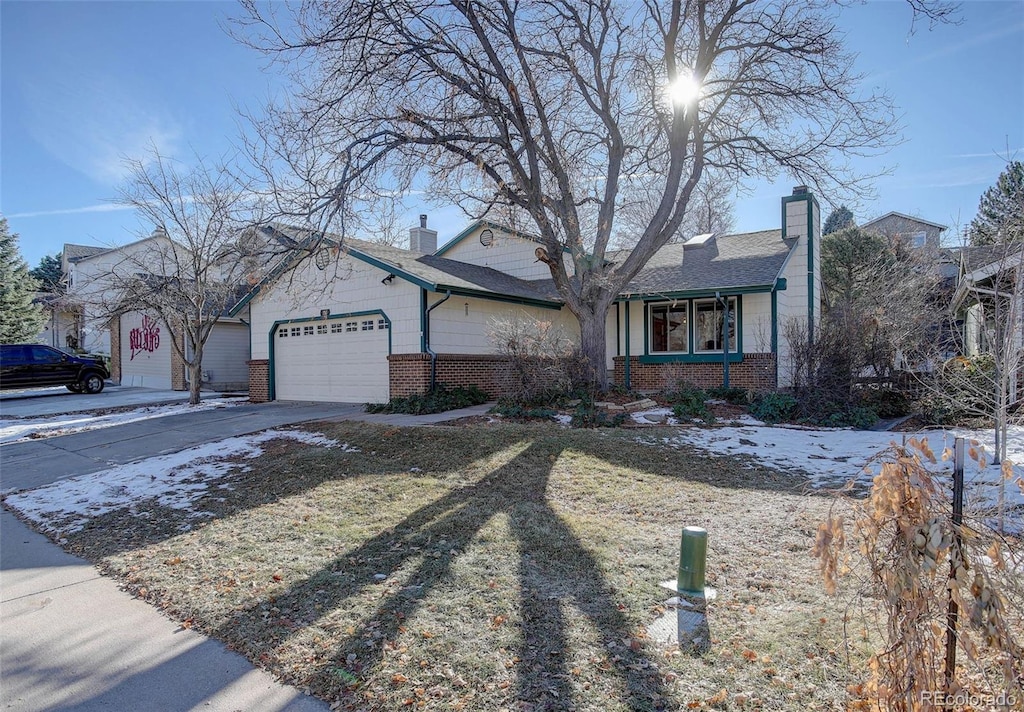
145 351
341 360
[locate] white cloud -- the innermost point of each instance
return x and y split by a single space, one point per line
101 208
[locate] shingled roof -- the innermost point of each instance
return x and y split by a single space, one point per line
746 260
73 253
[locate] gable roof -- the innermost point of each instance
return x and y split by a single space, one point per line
750 260
483 223
893 213
73 253
431 272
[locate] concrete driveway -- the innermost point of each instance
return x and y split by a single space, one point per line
72 640
39 402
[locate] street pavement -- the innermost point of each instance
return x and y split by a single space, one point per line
70 639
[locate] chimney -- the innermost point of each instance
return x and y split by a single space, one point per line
421 239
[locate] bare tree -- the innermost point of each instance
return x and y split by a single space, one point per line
570 112
202 256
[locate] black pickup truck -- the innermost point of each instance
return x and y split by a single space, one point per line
32 365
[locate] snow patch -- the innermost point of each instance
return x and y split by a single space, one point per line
177 481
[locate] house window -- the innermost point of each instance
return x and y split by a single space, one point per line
321 328
708 317
296 331
282 334
670 328
351 326
307 330
368 325
919 239
382 324
337 327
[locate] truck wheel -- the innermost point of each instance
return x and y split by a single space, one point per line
91 383
74 387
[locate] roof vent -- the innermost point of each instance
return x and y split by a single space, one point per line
698 240
800 190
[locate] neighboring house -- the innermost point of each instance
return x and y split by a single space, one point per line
137 343
991 299
62 327
369 322
908 231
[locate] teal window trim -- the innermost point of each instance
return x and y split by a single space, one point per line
272 333
692 355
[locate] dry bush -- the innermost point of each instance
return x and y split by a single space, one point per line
918 560
543 361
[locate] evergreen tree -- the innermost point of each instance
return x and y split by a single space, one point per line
48 273
1000 216
20 319
837 220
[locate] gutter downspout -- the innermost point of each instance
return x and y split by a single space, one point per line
725 339
426 338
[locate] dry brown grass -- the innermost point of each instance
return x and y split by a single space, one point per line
497 568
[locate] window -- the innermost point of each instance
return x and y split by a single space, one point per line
351 326
321 328
708 316
368 325
337 327
670 328
282 333
296 331
307 330
919 239
41 354
382 324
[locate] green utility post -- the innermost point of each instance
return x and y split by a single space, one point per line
693 554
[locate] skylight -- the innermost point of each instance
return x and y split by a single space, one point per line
698 240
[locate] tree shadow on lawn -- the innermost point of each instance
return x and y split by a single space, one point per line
551 558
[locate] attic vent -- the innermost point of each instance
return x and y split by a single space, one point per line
698 240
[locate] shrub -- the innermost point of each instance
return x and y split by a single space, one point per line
436 401
773 407
736 396
587 416
689 403
511 409
886 402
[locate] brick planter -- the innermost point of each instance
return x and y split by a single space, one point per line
259 380
756 372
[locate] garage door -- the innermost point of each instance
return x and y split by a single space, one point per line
343 360
145 351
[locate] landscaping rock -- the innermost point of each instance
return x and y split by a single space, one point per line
642 404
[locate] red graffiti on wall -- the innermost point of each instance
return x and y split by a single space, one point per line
144 338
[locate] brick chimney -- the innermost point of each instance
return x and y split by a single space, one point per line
421 239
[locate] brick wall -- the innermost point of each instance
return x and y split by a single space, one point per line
115 349
259 380
410 373
756 372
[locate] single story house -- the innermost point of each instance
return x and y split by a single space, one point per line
367 322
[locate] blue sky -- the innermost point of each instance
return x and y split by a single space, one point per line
86 83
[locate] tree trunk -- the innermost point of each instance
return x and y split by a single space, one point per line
593 347
195 376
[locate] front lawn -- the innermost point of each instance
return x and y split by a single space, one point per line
491 568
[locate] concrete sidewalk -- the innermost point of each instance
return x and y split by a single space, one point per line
72 640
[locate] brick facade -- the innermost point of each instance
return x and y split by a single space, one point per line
259 380
115 349
410 373
756 373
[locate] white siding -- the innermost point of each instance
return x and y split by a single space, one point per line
793 302
145 351
348 286
225 354
509 254
463 325
757 323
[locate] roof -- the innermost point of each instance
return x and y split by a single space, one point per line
752 260
905 217
746 260
73 253
432 272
